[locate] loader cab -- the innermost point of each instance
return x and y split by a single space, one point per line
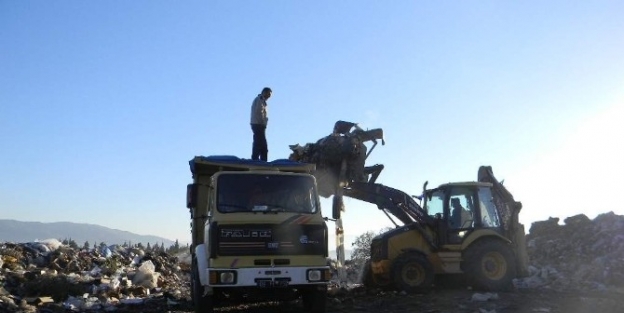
458 209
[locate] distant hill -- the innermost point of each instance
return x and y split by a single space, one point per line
19 232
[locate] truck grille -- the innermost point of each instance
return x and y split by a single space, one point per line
261 239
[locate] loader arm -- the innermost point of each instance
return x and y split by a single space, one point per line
395 202
388 199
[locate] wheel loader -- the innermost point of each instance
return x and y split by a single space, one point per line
467 228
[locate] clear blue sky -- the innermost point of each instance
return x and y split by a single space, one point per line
102 104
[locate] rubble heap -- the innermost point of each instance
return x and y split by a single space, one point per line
353 269
51 274
580 255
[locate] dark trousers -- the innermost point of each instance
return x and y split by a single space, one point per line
259 149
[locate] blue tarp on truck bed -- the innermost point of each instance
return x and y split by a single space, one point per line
214 163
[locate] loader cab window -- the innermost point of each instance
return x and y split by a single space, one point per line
461 208
460 218
489 215
435 204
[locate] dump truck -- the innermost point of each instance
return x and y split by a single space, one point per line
257 233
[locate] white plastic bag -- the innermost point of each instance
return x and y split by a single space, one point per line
146 275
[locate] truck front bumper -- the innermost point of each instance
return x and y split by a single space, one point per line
267 276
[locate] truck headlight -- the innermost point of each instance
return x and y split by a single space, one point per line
227 277
314 275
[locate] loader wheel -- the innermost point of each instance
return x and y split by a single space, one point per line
367 276
201 303
370 280
381 281
490 265
412 273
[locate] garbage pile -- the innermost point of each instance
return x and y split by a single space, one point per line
49 274
353 270
580 255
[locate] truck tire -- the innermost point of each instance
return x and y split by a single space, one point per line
412 273
314 299
201 303
489 265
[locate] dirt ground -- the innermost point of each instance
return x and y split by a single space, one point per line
447 296
460 300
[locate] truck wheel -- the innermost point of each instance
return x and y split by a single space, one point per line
201 303
412 273
490 265
314 299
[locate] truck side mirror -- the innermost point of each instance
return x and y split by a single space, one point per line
191 196
337 207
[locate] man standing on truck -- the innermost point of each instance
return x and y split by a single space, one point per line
259 120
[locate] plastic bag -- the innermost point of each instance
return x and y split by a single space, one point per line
146 275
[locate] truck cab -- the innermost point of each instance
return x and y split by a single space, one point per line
257 233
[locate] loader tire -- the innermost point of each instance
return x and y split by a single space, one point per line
413 273
382 282
489 265
367 276
372 281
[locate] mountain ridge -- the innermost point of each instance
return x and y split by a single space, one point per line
23 231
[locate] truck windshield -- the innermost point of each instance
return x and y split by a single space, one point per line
266 193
